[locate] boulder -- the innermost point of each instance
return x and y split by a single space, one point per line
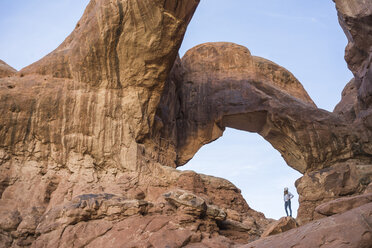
191 204
282 225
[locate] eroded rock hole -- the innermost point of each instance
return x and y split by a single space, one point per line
253 165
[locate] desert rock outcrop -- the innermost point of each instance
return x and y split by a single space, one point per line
6 70
355 19
222 85
350 229
91 134
343 204
236 89
282 225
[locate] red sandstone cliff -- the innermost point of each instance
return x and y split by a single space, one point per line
91 134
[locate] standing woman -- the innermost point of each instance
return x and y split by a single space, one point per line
287 201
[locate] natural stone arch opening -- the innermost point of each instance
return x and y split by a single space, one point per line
241 121
223 85
254 166
276 136
87 148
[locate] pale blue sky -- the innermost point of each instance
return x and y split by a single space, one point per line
303 36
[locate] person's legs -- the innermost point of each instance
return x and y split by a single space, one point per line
290 209
285 207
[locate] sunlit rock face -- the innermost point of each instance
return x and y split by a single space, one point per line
78 155
350 229
91 134
6 70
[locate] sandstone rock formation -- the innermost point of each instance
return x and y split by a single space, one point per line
352 177
321 186
6 70
222 85
282 225
91 134
343 204
355 19
350 229
233 91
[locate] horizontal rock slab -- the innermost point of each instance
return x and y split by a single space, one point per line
90 207
351 229
343 204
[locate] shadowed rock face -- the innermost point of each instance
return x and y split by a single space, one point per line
89 135
355 18
223 85
218 85
348 107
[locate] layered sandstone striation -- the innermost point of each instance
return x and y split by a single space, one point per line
91 134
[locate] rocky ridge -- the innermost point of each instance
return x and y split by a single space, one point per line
91 134
6 70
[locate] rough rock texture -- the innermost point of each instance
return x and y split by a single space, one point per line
91 134
343 204
6 70
58 207
355 18
320 186
282 225
117 60
223 85
220 85
350 229
348 107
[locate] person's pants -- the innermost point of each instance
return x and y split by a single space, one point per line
287 204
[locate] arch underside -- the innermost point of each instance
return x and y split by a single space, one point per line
222 85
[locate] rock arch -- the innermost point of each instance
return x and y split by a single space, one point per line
222 85
93 123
